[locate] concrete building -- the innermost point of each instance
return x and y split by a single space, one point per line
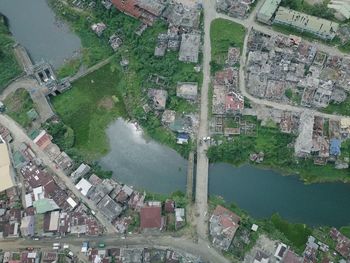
267 10
187 90
189 49
109 208
83 186
320 27
303 143
82 170
27 226
6 170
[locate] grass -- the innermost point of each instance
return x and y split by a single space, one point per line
88 108
69 69
17 105
225 34
9 68
297 234
345 230
341 108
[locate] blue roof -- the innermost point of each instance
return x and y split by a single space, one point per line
335 146
184 136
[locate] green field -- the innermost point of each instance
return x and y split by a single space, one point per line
345 230
297 234
224 34
17 105
91 104
9 68
341 108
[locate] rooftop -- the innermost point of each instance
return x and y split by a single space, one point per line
6 172
316 25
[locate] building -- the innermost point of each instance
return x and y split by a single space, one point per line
98 28
45 205
303 143
280 251
335 145
234 102
320 27
82 170
51 221
6 170
267 10
182 138
223 227
158 98
187 90
189 49
151 216
341 7
178 15
27 226
109 208
145 10
43 140
261 257
179 217
83 186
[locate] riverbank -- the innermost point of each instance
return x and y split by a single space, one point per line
278 155
9 67
295 235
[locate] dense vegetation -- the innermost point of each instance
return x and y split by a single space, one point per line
92 103
17 105
130 86
341 108
9 68
224 34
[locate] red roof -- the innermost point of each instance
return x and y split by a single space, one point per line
43 140
151 217
234 102
127 6
222 211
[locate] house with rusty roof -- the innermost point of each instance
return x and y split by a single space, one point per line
223 227
151 216
145 10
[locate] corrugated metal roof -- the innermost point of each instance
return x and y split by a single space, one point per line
269 8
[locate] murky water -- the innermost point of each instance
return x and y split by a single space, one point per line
33 24
154 167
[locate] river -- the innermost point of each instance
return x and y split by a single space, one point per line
33 24
148 165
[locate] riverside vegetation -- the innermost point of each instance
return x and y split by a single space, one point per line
128 86
9 68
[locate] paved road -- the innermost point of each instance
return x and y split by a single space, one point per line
202 159
250 24
20 136
161 241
